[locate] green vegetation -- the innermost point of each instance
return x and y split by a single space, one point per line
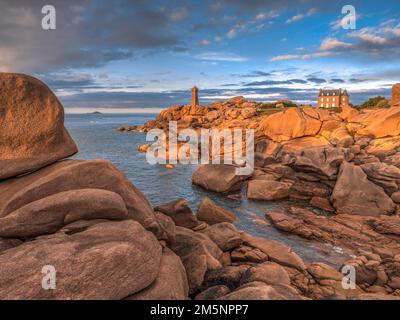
376 102
278 104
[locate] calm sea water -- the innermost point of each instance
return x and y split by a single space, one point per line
97 138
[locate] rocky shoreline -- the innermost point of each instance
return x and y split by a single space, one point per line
105 240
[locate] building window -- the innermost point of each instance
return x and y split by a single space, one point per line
333 105
322 105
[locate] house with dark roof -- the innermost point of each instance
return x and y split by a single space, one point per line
332 98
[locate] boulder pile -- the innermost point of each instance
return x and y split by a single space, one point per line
341 170
103 240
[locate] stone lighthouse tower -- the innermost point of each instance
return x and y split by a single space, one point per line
195 96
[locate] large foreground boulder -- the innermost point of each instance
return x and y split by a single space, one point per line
32 133
355 194
50 214
72 175
198 253
110 260
171 282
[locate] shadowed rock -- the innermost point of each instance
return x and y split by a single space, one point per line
355 194
209 212
71 175
171 282
49 214
218 177
109 260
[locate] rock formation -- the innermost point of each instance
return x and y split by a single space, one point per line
32 133
105 241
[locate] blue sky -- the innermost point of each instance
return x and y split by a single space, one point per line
148 54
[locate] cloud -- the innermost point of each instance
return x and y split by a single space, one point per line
332 44
87 35
178 14
253 74
337 80
302 56
244 25
220 56
316 80
299 17
375 42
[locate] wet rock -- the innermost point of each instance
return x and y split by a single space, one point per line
220 178
209 212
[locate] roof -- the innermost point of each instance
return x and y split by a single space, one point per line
333 92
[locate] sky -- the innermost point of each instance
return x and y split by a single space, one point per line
128 56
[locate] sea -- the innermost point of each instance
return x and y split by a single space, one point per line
97 138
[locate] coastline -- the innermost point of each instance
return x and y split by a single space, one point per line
89 222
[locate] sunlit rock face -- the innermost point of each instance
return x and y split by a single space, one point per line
32 133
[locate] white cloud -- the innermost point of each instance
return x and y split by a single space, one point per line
368 35
302 56
242 26
295 18
299 17
220 56
333 43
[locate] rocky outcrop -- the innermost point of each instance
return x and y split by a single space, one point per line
32 133
51 213
219 178
268 190
355 194
171 282
180 213
109 260
290 124
209 212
